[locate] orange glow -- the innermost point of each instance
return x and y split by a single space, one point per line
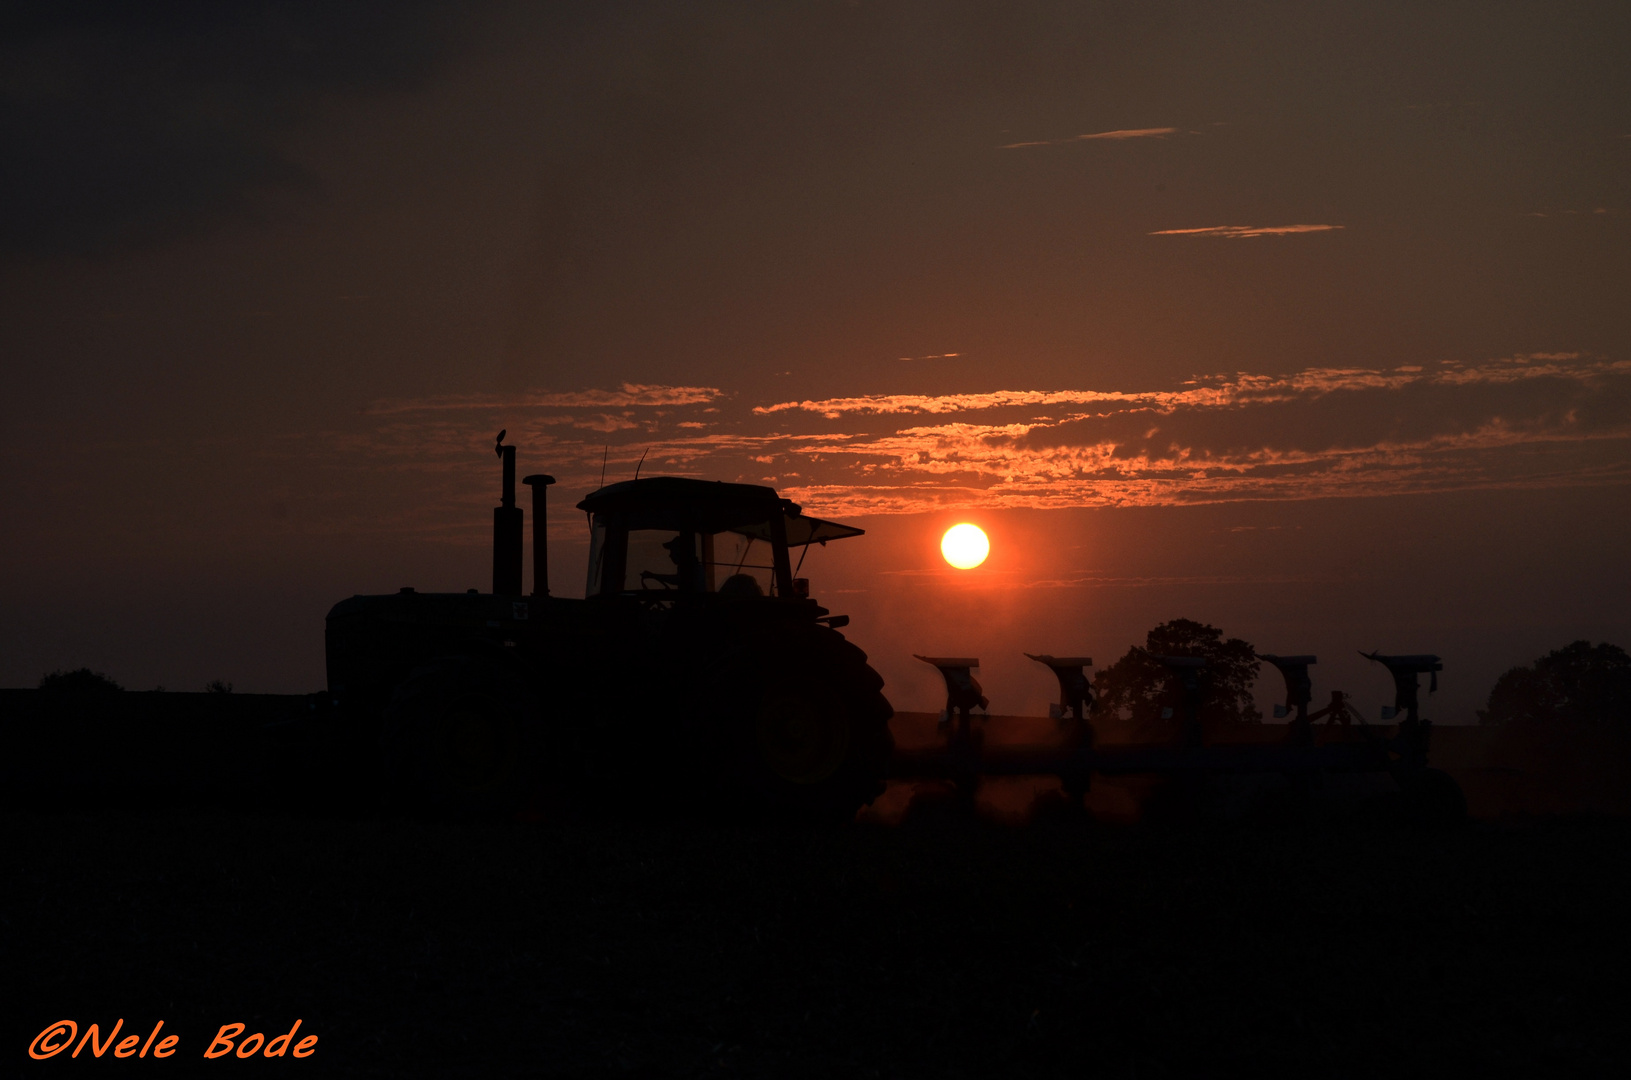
965 546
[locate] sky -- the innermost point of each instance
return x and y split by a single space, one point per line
1307 320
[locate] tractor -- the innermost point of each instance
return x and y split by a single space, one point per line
695 672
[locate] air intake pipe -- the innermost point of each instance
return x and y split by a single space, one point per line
507 523
539 483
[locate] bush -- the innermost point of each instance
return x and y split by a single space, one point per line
78 681
1581 684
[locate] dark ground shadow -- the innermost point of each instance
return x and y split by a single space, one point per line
963 950
954 944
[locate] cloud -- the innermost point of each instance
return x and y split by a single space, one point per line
1552 419
1235 232
1527 425
629 395
602 423
1544 419
1123 133
1214 390
879 404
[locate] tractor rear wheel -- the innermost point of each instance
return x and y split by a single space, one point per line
804 726
459 739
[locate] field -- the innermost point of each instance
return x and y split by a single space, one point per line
185 860
940 949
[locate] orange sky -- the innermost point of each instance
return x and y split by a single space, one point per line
1307 320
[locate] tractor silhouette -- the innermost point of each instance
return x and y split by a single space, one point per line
696 671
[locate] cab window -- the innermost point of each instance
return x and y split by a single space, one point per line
664 560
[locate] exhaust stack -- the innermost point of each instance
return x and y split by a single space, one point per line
507 521
539 483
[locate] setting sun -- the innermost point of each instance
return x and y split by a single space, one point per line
965 546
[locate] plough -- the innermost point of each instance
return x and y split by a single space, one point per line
1399 750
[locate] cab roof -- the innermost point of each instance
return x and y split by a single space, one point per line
680 502
676 491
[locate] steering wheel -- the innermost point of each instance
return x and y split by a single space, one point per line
668 581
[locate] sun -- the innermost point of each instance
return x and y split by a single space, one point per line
965 546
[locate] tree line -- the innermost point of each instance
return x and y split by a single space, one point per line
1580 684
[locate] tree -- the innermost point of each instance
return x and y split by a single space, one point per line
79 680
1580 683
1138 686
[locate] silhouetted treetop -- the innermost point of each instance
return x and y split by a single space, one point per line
1137 686
80 680
1580 683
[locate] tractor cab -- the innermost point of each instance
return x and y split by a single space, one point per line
674 538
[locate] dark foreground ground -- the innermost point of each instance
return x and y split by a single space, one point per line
963 950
